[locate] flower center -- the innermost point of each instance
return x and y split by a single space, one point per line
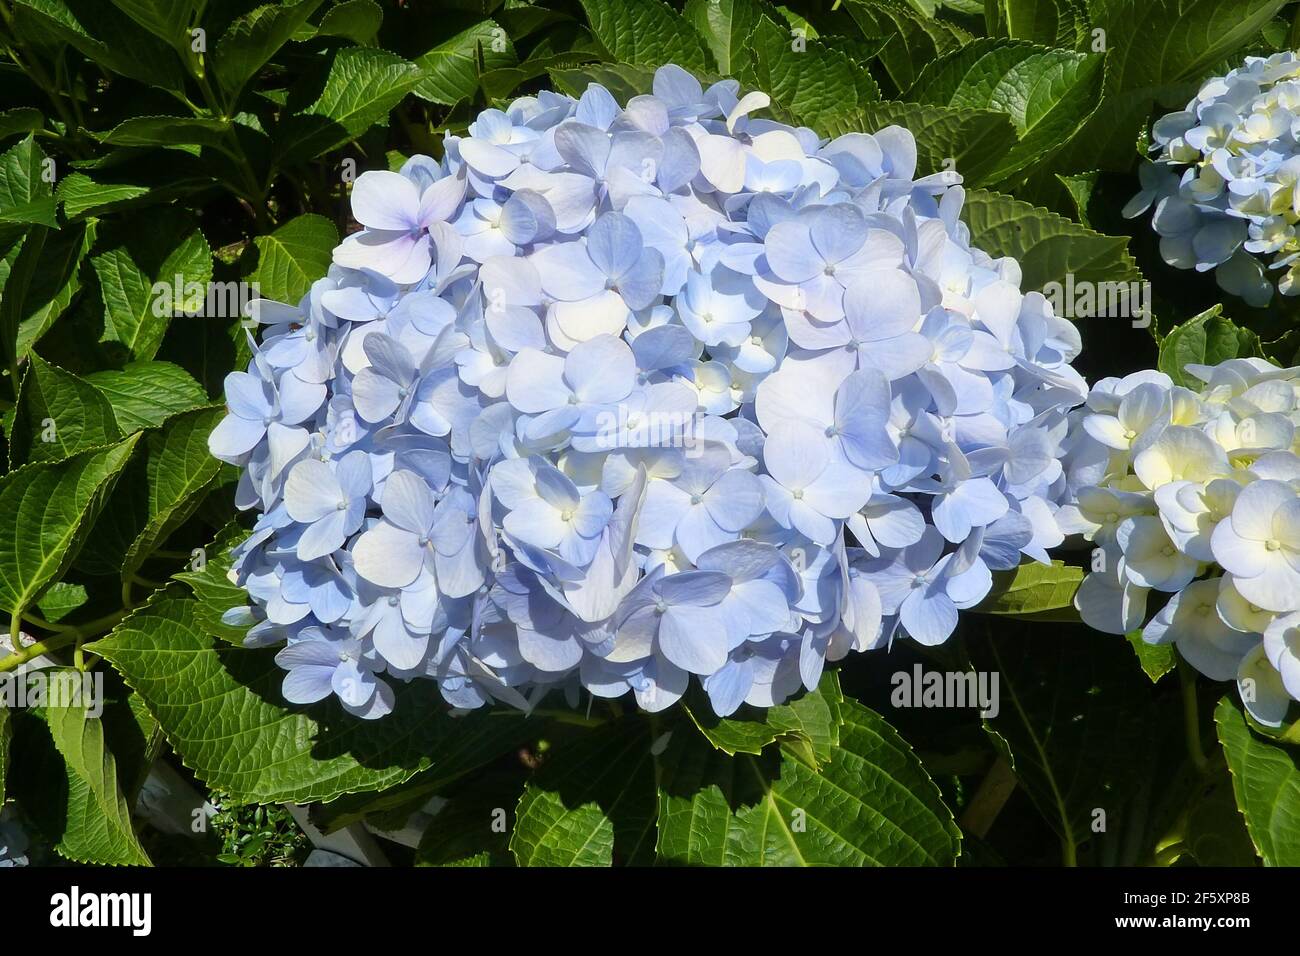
342 505
1273 544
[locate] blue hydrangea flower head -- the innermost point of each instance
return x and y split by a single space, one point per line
611 398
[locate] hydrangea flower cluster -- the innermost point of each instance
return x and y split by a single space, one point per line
1196 497
1224 181
609 396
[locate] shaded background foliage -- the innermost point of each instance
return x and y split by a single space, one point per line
152 148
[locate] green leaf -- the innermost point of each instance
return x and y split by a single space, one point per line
1266 781
81 195
358 20
798 21
1036 591
646 33
1049 94
871 803
451 70
482 744
473 827
1158 52
26 194
58 416
250 41
1066 703
913 40
1079 187
1205 339
22 119
180 470
565 43
18 299
106 37
98 828
971 142
146 394
813 85
168 20
726 26
220 709
294 256
55 281
1216 834
361 88
1157 660
61 600
1046 245
623 80
1059 23
46 510
214 592
593 801
147 277
168 131
121 520
810 723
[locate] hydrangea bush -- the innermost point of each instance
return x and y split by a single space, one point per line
1194 496
592 403
1223 181
569 374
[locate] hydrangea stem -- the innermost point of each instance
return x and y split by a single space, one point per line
1192 717
20 657
64 635
993 793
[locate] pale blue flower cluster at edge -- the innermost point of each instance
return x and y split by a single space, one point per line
609 396
1223 181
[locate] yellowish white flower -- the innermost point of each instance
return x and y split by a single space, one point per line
1196 495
